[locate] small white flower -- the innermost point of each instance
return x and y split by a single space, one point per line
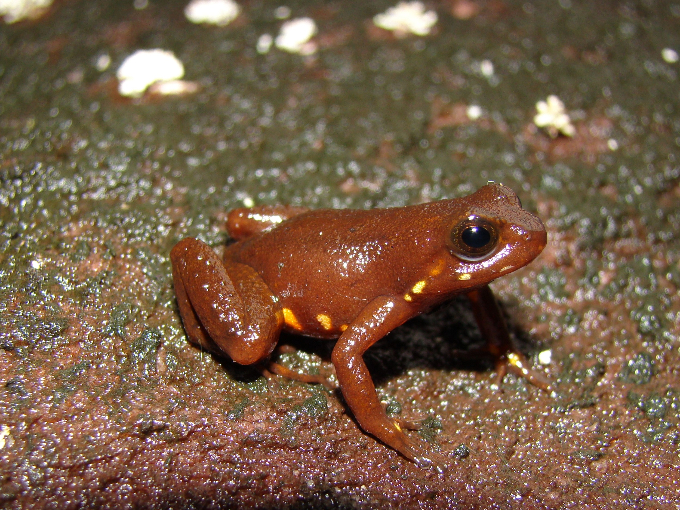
144 67
407 17
486 68
264 44
669 55
295 36
553 117
17 10
212 12
473 112
103 62
545 357
4 434
174 87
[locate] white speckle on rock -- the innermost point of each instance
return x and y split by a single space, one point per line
144 67
103 62
553 118
282 12
212 12
407 17
295 36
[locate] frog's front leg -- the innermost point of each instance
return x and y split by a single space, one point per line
499 343
226 307
381 316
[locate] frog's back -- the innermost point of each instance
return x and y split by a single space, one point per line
332 263
338 248
339 260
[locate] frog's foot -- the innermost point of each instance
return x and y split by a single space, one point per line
499 343
415 423
408 424
420 452
390 432
279 369
511 362
516 363
433 460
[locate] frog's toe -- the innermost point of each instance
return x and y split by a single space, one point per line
517 364
426 458
282 370
419 452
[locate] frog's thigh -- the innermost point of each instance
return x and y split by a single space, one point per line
245 222
226 303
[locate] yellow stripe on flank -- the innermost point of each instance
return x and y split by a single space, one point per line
407 297
465 276
418 287
290 319
325 321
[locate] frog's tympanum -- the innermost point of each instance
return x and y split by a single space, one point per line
355 275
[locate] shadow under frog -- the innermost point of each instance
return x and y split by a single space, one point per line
354 276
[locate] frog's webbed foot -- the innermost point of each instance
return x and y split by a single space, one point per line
499 343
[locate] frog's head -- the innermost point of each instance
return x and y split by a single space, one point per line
495 235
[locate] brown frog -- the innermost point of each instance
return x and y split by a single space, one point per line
355 275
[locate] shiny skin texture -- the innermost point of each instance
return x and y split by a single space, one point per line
355 275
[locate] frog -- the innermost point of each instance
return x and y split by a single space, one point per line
354 276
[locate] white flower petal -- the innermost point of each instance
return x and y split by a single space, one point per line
145 67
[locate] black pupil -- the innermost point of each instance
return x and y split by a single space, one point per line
476 237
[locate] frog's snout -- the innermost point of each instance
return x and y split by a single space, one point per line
539 238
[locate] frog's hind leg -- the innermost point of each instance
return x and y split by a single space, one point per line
225 307
499 343
277 368
247 221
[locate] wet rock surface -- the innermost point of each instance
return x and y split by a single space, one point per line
103 403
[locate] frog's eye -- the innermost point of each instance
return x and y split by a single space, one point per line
473 239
